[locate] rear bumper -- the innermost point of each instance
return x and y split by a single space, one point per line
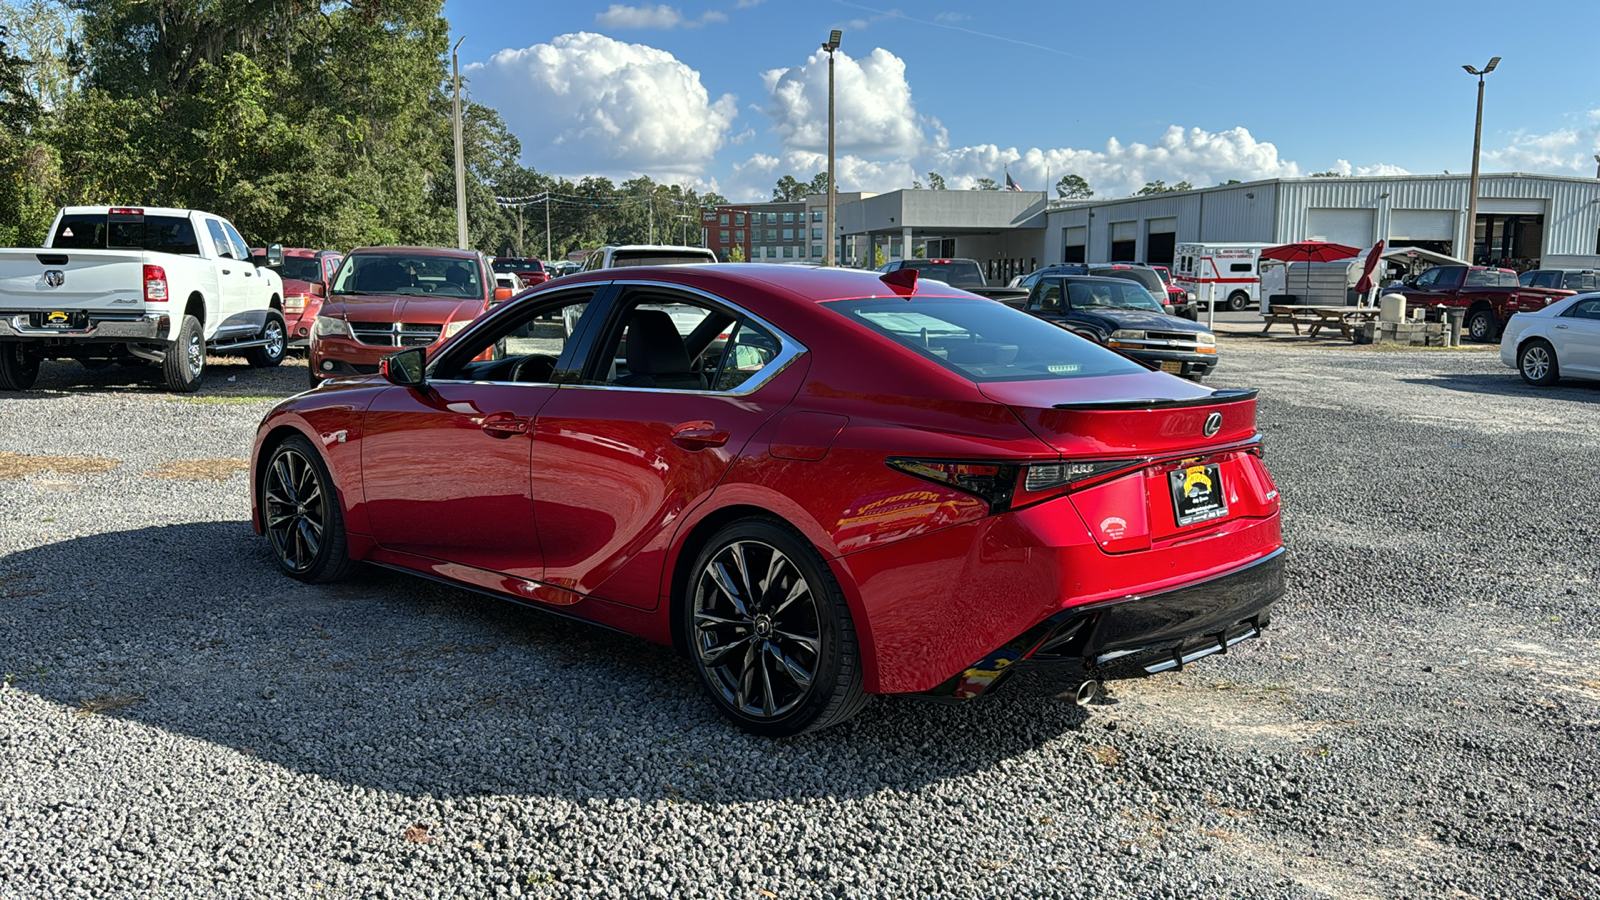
1131 637
88 328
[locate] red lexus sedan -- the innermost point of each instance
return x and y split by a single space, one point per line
817 484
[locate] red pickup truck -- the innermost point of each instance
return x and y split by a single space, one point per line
1490 296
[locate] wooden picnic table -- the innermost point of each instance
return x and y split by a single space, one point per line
1319 317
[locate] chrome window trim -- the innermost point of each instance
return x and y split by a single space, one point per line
789 351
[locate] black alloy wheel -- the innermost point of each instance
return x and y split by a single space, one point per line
301 514
769 632
19 369
1536 360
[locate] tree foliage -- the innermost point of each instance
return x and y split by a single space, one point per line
1161 187
935 181
1073 187
985 184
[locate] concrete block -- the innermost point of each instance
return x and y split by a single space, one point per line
1392 307
1365 333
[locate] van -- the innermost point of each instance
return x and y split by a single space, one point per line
1225 274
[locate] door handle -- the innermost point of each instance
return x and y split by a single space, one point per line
227 271
248 273
504 425
1562 327
698 436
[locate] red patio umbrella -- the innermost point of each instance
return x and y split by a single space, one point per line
1309 252
1364 284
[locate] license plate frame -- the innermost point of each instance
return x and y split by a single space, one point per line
1197 494
1172 367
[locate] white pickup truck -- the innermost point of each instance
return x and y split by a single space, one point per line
124 284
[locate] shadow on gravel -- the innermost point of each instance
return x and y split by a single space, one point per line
227 376
1510 384
394 683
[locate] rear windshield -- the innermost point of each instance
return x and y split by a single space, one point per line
158 234
947 272
651 258
1491 278
983 340
1580 281
411 274
1148 278
517 265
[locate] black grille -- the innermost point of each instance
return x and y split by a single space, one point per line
1186 337
396 334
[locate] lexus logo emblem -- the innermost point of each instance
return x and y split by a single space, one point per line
1213 424
55 277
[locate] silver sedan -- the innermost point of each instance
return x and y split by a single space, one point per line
1560 341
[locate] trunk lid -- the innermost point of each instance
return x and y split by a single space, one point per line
91 280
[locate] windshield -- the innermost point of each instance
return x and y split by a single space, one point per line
1110 295
1150 280
956 273
409 274
983 340
658 258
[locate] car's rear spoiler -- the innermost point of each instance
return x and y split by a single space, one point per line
1212 399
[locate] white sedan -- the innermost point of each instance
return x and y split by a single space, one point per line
1563 339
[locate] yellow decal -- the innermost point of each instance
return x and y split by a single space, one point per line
1196 475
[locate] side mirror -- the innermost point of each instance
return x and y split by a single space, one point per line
274 254
1409 280
318 289
405 368
1169 309
502 294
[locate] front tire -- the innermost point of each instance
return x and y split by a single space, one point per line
1481 326
19 369
1536 360
276 334
302 516
185 363
769 631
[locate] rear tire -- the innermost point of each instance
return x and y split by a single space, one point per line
1237 301
185 364
1481 326
276 333
1536 361
769 632
301 515
19 369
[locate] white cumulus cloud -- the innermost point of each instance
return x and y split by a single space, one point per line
586 103
620 15
1563 151
872 102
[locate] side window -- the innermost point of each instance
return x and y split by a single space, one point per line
1045 296
523 344
1429 278
241 249
749 349
1588 309
1239 267
660 341
219 239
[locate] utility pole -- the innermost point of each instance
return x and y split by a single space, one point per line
650 201
461 170
519 230
829 257
1477 142
547 226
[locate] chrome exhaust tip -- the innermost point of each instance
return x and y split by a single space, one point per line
1086 692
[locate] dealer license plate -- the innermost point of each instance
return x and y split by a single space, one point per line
1197 494
1175 368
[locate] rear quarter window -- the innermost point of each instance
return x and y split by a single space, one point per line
982 340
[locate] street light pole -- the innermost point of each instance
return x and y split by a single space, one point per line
1477 143
829 257
461 171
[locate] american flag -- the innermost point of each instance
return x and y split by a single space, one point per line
1011 185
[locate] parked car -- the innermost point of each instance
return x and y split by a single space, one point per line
1182 301
531 271
1491 296
1026 282
1560 341
385 298
132 284
1122 315
871 486
1564 279
510 281
614 256
306 275
961 273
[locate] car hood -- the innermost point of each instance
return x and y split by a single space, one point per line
296 286
402 308
1137 319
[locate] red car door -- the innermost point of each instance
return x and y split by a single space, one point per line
618 460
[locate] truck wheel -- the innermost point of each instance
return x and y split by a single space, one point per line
1238 300
186 358
18 368
276 335
1480 326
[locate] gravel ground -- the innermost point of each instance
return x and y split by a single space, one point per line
178 720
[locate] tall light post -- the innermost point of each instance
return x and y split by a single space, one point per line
1477 142
1597 165
829 258
461 170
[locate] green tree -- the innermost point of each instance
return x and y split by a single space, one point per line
878 259
1331 173
985 184
818 185
29 169
1160 187
736 254
935 181
1073 187
44 31
788 190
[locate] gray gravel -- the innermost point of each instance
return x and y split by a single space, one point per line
1421 721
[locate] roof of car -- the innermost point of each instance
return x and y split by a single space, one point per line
816 284
420 251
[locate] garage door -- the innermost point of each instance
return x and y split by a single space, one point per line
1422 225
1352 227
1074 240
1159 242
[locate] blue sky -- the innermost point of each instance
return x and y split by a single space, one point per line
730 94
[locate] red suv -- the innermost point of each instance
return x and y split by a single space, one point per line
386 298
306 275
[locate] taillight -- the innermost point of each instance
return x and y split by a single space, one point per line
155 284
1045 480
993 482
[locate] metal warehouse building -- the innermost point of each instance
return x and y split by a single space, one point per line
1522 218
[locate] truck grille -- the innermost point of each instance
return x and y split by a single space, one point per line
396 334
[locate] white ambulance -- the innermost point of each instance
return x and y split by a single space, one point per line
1224 274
